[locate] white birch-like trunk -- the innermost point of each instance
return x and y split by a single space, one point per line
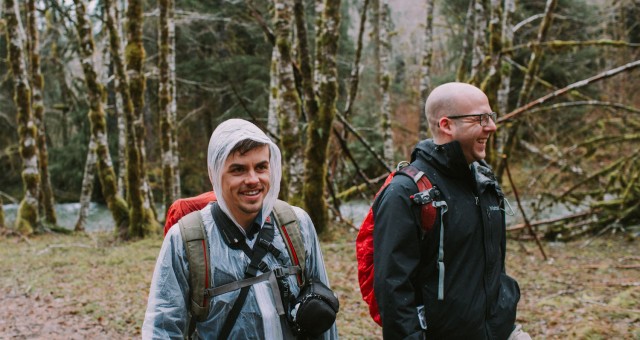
385 84
272 113
425 71
87 184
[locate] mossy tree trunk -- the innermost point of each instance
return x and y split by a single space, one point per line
141 218
164 103
319 128
425 70
37 86
95 94
27 218
529 80
288 106
385 83
135 56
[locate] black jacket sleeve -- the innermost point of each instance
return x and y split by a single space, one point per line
396 260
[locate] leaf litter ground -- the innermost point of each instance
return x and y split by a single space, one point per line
87 286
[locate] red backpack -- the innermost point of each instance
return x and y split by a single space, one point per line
364 241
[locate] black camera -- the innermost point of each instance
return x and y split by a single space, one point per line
314 310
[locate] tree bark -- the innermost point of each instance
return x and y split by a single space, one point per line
319 128
87 185
288 103
527 83
141 218
425 71
385 83
27 218
479 43
164 105
106 173
135 56
461 73
37 86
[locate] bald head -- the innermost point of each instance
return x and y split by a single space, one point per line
447 100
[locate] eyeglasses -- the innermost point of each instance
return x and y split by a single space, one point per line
482 118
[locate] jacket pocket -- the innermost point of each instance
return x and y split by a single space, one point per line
503 313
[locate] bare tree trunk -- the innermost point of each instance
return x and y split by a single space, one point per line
288 103
37 85
142 221
272 114
461 74
479 43
164 105
491 83
106 173
355 69
385 83
173 105
319 128
427 57
505 69
27 218
87 184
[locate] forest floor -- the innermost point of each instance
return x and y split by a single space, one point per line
57 286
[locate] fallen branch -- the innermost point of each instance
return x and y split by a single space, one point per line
550 220
562 91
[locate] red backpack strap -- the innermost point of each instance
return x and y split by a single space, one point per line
428 211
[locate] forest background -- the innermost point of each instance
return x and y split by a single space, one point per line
114 101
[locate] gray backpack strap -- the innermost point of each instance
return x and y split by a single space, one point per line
289 227
196 246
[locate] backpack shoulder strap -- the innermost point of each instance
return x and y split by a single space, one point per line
428 211
196 246
289 227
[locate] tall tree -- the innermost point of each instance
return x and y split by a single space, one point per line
106 173
527 84
27 218
425 70
164 106
288 103
385 82
173 104
37 85
87 184
142 222
479 42
469 24
141 218
319 128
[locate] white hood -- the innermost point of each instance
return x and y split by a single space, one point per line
223 140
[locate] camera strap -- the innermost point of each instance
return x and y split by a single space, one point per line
265 237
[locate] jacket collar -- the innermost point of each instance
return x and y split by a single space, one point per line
447 158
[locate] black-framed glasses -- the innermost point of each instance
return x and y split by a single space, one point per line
482 118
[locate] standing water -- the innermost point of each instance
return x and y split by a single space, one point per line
98 219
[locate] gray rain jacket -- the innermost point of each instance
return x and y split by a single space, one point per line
166 315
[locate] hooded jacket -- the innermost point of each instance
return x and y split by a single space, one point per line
479 298
166 315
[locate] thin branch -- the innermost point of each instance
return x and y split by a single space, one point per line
579 84
363 141
559 44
